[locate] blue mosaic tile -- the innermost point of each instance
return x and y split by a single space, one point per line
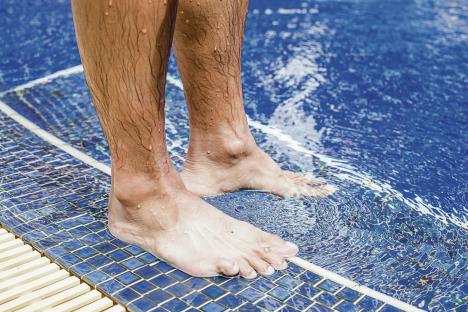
235 285
197 299
147 258
269 304
248 307
118 255
127 278
99 260
82 268
179 275
158 296
147 272
327 299
251 294
126 295
134 250
142 286
308 291
196 282
329 286
213 307
346 307
179 290
85 252
131 263
299 302
288 309
163 267
231 301
388 308
69 260
319 308
369 304
141 304
349 294
163 280
113 269
95 277
213 291
280 293
175 305
262 284
73 231
110 286
105 247
288 282
310 277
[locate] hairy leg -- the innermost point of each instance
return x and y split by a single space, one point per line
124 46
223 155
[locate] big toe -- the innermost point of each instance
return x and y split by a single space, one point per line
276 245
288 249
320 191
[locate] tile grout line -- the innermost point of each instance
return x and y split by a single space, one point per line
66 147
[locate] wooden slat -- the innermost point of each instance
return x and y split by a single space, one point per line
33 275
39 294
10 244
57 299
29 282
97 306
78 302
15 292
9 264
15 252
116 308
4 237
24 268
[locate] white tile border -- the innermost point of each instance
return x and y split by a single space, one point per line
107 170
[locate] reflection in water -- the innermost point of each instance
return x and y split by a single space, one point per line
331 81
368 94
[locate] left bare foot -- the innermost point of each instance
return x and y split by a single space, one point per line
216 166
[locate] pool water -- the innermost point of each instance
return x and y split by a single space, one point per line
371 95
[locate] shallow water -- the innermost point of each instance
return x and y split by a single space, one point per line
369 94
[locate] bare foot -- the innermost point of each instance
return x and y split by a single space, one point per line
215 166
183 230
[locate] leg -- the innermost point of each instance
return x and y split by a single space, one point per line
124 46
223 155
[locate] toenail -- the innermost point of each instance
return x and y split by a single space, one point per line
270 270
291 245
251 275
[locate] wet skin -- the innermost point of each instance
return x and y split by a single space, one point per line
124 47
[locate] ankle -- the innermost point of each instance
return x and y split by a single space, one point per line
224 145
131 189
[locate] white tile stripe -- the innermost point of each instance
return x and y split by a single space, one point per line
107 170
45 79
53 139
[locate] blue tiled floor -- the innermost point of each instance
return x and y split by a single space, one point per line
66 218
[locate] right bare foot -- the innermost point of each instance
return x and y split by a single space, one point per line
188 233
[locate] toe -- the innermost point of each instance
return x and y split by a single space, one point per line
321 191
261 266
299 178
275 245
311 180
228 267
246 270
273 259
288 249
